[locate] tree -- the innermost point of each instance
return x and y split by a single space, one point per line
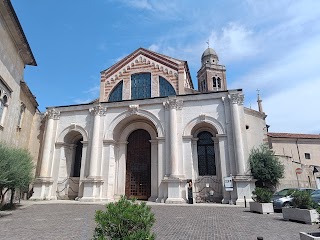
15 170
124 220
265 167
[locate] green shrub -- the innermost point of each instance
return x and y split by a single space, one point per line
262 195
125 220
302 199
265 166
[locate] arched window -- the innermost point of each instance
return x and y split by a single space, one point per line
116 94
141 85
216 82
166 88
206 156
3 102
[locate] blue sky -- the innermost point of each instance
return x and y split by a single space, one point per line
270 45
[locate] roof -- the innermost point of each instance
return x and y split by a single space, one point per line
15 30
150 53
209 51
294 135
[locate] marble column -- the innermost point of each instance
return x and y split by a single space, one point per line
92 190
43 184
173 105
237 99
175 182
97 111
161 168
52 115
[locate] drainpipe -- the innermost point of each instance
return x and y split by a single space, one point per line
298 150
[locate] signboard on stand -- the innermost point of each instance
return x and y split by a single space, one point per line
228 184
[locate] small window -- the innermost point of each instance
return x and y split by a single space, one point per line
21 115
307 156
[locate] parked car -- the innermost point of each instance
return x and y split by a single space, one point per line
283 198
315 195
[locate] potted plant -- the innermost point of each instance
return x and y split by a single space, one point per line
262 201
303 210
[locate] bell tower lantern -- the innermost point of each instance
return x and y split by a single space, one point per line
212 75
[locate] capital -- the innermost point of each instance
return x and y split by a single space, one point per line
237 98
173 104
53 114
98 110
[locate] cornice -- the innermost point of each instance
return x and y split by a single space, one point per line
15 30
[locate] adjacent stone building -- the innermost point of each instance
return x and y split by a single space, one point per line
19 115
149 132
300 154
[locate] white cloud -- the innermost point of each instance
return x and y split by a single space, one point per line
154 47
141 4
234 42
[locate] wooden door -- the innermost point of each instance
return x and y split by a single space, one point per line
138 165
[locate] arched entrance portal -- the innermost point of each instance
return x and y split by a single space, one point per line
138 165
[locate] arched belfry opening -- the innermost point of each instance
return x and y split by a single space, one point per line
70 166
138 165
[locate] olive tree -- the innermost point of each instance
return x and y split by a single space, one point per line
15 170
265 166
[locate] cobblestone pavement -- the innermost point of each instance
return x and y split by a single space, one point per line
187 222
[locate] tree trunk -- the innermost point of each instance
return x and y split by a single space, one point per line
12 196
3 194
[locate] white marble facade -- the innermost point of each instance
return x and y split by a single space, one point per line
103 130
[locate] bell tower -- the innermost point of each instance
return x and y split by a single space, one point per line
212 75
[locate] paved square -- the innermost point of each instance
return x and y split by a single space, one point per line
185 222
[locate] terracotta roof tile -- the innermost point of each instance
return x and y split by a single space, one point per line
294 135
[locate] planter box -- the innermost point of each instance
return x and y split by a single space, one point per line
302 215
309 236
261 207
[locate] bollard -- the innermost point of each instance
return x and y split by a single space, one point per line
245 202
259 238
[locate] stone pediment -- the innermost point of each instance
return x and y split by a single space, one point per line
143 60
142 55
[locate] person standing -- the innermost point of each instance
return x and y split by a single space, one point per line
190 197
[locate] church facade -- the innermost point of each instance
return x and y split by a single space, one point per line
149 132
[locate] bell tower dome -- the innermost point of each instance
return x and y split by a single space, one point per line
212 75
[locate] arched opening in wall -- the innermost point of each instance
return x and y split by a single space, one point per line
68 186
206 164
77 159
138 165
206 154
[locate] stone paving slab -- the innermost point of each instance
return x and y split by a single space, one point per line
175 222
